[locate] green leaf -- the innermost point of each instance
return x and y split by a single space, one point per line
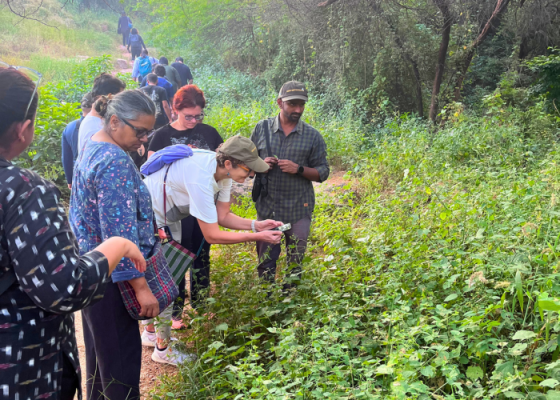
452 296
553 395
480 233
427 371
222 327
474 373
514 395
523 335
549 305
384 370
551 383
519 289
505 368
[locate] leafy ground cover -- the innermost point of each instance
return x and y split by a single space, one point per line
432 274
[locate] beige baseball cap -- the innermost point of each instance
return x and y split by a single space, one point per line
244 150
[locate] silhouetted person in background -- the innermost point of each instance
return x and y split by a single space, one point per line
70 139
171 74
184 71
135 43
159 70
124 26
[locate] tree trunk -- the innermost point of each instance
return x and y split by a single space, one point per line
443 5
498 10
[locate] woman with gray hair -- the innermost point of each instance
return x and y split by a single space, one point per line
110 199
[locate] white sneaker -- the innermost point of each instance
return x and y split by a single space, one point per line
171 356
148 338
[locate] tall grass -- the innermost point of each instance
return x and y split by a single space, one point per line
54 50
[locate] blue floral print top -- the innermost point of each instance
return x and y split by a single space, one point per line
109 199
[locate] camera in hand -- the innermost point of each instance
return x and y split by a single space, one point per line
282 228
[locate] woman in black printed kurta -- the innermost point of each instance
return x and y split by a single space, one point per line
43 279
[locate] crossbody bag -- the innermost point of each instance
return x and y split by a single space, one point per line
260 184
179 258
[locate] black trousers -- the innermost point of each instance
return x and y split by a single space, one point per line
135 52
113 349
125 38
70 382
191 238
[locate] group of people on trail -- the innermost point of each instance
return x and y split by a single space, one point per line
109 257
130 36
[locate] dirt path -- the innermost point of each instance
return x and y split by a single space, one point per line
150 369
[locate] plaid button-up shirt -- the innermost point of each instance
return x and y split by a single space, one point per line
290 196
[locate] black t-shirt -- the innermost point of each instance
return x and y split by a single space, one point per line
184 72
202 136
158 96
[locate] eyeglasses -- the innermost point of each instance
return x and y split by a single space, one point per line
198 117
35 77
140 132
244 168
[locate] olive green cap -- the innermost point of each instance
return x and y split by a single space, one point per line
293 90
244 150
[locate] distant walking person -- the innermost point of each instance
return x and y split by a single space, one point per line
70 140
143 65
159 97
159 70
297 157
135 43
124 26
184 71
171 74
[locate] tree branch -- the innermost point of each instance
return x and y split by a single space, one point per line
25 15
326 3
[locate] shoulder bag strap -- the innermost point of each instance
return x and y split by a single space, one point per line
9 277
165 194
267 137
165 207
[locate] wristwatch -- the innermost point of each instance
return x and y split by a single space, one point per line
300 170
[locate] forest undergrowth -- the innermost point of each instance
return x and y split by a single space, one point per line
433 273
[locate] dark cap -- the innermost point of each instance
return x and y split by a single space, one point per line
244 150
293 90
87 101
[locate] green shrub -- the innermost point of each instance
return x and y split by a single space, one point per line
58 106
434 275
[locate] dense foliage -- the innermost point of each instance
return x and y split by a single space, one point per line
432 273
410 56
59 104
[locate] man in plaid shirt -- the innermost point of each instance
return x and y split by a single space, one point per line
298 157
